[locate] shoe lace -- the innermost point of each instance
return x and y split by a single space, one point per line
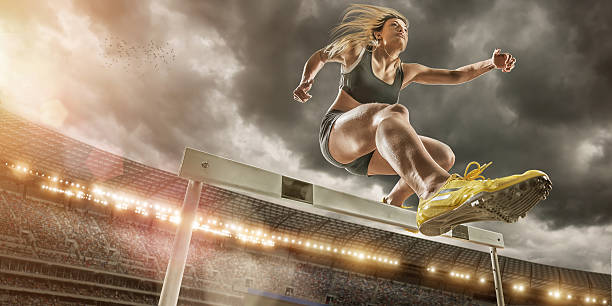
475 173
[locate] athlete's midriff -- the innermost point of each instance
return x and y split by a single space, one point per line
344 102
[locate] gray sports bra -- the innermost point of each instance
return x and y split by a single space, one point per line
361 83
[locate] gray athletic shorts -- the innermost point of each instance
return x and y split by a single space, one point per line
358 166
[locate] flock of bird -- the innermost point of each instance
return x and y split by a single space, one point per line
137 57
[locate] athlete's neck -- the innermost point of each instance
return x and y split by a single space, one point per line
387 57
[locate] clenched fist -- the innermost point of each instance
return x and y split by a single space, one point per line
503 61
300 94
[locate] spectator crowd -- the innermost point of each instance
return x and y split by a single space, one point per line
100 257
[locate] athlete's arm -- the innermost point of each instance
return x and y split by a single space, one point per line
425 75
314 64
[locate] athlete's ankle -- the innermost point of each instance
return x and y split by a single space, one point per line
434 186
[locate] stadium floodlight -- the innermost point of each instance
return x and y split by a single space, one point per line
201 167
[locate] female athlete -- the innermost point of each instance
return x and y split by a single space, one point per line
367 132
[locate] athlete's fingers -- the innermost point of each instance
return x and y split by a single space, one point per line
300 91
297 97
303 96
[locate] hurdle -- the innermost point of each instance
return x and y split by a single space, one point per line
204 168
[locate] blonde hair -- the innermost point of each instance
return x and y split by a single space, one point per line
358 26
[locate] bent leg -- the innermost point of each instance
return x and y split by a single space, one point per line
440 152
386 129
399 144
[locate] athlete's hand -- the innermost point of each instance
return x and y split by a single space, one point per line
300 94
503 61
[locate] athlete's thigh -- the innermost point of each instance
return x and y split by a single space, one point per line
354 133
439 151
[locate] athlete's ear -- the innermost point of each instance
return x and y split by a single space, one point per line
377 35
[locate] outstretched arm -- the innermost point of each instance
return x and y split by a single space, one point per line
424 75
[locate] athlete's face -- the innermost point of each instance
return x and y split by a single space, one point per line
394 33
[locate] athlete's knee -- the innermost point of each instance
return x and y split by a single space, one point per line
449 159
397 110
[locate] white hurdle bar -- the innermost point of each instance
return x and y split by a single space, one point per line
201 167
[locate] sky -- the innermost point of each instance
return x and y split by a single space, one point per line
146 79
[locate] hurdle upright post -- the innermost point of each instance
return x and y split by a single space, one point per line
178 257
499 291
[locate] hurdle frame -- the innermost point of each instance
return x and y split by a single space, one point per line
201 167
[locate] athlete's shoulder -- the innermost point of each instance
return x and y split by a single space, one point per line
409 71
347 56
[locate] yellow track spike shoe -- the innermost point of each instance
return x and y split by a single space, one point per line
466 199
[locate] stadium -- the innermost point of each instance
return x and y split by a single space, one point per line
81 226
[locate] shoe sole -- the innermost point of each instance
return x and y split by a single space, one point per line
505 205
